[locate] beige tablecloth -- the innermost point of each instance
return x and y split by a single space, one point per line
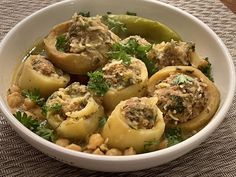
215 157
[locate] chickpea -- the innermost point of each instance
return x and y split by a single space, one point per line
62 142
14 99
28 104
37 112
74 147
14 88
88 151
104 147
130 151
95 141
113 152
98 152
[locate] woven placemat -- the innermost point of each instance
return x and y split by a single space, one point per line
215 157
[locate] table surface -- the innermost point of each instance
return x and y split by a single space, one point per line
215 157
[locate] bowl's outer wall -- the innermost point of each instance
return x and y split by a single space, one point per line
35 27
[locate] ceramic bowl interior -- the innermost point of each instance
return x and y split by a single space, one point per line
32 29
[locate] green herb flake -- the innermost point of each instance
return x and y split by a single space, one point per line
140 51
102 122
41 128
62 43
97 83
44 110
84 14
121 55
207 70
56 107
177 104
114 25
131 13
45 132
152 69
151 145
182 79
124 52
35 96
26 120
174 136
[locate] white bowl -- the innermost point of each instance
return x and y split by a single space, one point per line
24 35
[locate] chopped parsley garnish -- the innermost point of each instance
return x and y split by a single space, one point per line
141 53
46 133
177 104
119 53
41 128
26 120
114 25
151 145
62 43
34 96
54 108
152 69
97 83
133 48
84 14
131 13
207 70
174 136
102 122
44 110
182 79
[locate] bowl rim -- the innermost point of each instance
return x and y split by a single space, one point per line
205 132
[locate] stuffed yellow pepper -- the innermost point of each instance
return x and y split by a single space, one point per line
124 80
187 98
175 53
79 45
39 73
136 122
73 112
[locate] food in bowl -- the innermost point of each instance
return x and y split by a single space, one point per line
80 45
101 85
187 98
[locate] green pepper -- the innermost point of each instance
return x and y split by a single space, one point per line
153 31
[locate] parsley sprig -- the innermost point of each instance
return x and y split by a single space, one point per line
182 79
114 25
119 52
97 83
56 107
27 121
41 128
151 145
174 136
62 43
177 104
35 96
207 70
124 52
